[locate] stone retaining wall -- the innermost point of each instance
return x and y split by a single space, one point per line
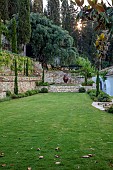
24 83
57 77
54 88
2 95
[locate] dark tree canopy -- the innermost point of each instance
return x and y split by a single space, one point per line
50 41
37 6
53 11
24 27
12 7
4 9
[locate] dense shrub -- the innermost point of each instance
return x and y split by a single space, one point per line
89 83
14 96
92 95
43 90
91 90
31 92
110 109
21 95
82 90
42 83
103 97
8 93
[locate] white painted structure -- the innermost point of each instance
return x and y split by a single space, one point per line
107 85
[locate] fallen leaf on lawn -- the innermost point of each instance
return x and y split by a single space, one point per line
92 149
88 156
29 168
85 156
3 165
41 157
11 164
57 148
38 149
57 163
57 156
1 154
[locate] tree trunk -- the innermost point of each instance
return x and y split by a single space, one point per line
24 49
100 62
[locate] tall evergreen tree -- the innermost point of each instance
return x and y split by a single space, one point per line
12 7
72 12
53 9
37 6
24 26
65 14
14 36
0 33
4 9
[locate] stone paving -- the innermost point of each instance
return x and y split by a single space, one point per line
100 105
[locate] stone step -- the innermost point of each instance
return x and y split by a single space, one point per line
63 89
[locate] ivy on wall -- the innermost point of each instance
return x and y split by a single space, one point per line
8 59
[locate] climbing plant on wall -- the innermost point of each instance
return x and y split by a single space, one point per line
8 59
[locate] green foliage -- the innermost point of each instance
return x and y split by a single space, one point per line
50 41
0 33
43 90
37 6
8 93
86 67
16 79
89 83
43 74
8 59
14 36
26 94
24 27
103 75
27 67
42 83
103 97
82 90
92 94
4 9
3 30
13 7
110 109
97 84
104 18
53 11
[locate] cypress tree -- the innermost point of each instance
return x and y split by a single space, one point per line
43 76
64 13
14 36
0 33
53 10
4 10
24 26
97 84
12 7
37 6
24 67
16 79
27 67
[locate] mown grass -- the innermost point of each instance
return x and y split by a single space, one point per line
47 121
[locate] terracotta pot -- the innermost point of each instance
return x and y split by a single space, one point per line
65 78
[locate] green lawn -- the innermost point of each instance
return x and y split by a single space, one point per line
47 121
